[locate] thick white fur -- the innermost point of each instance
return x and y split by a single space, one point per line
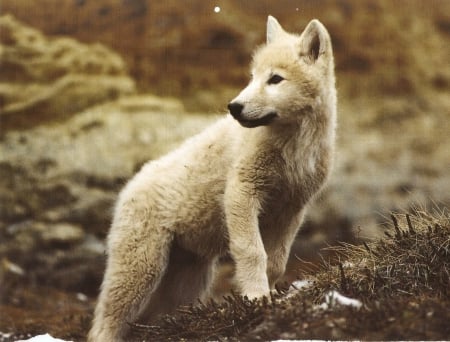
228 189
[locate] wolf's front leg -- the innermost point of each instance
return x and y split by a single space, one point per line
242 207
278 245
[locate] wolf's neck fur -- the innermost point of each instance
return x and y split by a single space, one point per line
315 128
307 146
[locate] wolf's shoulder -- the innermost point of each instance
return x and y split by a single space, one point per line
214 146
215 139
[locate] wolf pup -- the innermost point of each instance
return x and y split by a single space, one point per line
241 186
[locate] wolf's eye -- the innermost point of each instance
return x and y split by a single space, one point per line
275 79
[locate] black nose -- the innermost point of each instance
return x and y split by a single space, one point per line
235 109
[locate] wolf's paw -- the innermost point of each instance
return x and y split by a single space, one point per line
256 292
252 296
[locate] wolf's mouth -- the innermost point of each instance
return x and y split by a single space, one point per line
264 121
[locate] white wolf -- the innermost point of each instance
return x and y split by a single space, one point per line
241 186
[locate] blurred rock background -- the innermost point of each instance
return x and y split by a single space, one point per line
90 90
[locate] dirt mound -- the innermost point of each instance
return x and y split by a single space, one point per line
46 79
401 286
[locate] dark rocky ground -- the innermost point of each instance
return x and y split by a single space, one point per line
77 120
402 281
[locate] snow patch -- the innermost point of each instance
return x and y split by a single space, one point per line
43 338
334 298
300 284
296 286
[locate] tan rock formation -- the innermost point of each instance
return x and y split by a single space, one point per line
45 79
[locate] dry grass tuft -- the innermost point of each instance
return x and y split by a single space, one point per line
232 317
412 259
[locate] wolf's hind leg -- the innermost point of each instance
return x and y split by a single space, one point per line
133 273
187 278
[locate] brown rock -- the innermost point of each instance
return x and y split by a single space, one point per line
72 171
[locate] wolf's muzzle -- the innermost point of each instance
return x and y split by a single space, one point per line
236 108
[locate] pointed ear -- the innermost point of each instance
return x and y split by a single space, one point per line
274 29
315 41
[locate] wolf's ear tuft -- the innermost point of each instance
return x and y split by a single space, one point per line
314 41
274 29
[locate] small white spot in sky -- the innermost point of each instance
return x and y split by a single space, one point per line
217 9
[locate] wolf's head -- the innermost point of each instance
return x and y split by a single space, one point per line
292 76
